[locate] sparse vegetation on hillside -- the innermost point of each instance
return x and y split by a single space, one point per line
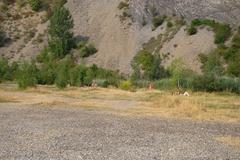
169 24
222 31
158 21
124 6
155 44
220 70
56 65
192 30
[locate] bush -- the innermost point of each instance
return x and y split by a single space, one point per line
196 22
222 31
87 50
123 5
63 73
228 84
47 73
77 75
216 84
169 24
126 85
102 83
89 77
44 56
2 38
7 71
141 83
192 30
113 78
20 3
164 84
27 75
35 4
234 67
3 7
212 63
4 68
158 21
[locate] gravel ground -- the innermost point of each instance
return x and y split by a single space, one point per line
58 133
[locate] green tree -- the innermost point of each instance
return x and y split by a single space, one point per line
60 34
180 73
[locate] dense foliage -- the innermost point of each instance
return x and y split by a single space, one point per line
147 66
63 72
27 75
7 70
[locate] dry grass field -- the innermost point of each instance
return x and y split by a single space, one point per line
218 107
231 141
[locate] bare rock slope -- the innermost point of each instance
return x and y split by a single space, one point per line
221 10
119 40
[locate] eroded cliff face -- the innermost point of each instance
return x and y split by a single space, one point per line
227 11
119 41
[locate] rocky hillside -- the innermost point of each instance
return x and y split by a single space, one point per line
221 10
120 32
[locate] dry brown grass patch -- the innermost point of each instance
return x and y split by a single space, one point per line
231 141
199 106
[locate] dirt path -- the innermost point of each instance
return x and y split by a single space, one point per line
59 133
